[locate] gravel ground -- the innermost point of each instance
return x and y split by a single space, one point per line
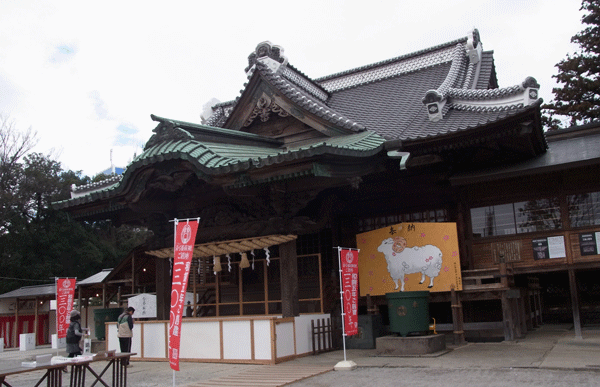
428 377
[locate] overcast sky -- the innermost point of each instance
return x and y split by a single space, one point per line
87 77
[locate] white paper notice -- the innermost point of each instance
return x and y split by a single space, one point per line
556 247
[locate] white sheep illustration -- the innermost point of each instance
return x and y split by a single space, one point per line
402 260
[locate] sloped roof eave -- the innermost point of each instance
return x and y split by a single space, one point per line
366 144
441 137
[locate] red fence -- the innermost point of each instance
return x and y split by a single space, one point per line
26 323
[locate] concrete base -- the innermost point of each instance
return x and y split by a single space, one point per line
97 346
345 365
410 346
58 343
26 341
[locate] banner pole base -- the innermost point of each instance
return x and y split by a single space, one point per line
345 365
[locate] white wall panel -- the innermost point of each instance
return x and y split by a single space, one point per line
200 340
262 339
236 340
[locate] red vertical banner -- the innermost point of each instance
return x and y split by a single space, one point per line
65 291
349 280
185 237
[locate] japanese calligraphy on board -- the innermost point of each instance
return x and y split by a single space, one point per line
409 257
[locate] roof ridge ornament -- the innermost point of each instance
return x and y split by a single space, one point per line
524 94
269 54
473 46
263 109
435 100
167 130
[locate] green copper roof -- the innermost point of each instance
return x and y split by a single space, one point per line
218 158
213 158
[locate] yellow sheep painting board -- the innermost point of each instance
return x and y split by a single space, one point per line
412 252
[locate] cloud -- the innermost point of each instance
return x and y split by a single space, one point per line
62 54
99 105
84 82
126 136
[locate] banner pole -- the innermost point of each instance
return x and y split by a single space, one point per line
344 365
56 308
342 303
175 222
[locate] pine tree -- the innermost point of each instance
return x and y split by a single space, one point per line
578 97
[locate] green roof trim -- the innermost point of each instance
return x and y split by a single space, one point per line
215 158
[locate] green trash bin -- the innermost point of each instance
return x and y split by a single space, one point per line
102 316
409 312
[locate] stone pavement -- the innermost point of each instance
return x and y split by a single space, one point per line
547 350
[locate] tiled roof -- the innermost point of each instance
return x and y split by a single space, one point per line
84 189
391 67
306 101
31 291
456 121
487 73
215 158
222 158
96 278
563 153
377 106
430 94
388 96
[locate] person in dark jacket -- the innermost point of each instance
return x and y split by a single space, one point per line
125 330
74 334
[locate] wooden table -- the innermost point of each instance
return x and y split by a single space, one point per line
54 373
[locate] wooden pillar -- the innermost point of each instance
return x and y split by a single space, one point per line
288 263
507 317
371 308
16 330
194 274
87 308
523 310
163 288
517 320
35 321
529 312
104 300
133 273
457 317
538 301
575 304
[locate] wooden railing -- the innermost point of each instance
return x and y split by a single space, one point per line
488 279
322 335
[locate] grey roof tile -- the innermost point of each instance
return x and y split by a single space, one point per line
306 101
31 291
391 105
486 70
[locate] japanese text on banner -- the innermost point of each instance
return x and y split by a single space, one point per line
349 268
65 291
185 237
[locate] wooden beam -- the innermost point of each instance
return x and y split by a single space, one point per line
35 321
163 289
575 304
16 330
457 317
288 268
507 317
133 273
